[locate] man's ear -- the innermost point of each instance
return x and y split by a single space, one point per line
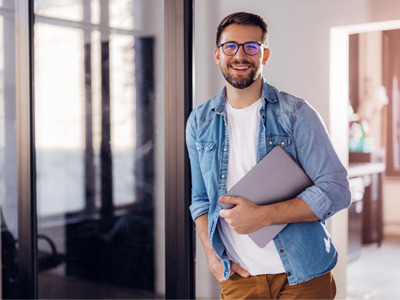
216 56
266 55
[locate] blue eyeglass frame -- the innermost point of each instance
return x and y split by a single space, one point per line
238 46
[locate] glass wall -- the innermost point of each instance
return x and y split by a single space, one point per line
98 67
8 153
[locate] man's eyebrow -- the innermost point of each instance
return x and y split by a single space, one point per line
240 43
229 42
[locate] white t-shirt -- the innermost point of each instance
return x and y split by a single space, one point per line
243 134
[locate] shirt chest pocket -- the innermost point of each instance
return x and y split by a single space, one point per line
206 153
278 140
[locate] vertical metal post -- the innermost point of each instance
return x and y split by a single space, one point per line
89 156
178 104
106 168
27 224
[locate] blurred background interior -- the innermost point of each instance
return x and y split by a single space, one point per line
99 141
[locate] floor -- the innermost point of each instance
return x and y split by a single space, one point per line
376 273
54 286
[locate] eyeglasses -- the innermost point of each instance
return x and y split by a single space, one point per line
250 48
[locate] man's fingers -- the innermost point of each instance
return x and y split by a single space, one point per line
230 200
238 269
224 213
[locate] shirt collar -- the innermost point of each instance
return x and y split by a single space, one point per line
267 94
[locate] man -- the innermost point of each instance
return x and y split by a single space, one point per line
226 137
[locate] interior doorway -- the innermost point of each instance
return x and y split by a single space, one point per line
361 102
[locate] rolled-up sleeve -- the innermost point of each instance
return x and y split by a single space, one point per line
199 203
316 155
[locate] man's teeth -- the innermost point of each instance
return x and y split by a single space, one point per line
240 68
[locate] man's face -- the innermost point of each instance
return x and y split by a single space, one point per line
241 70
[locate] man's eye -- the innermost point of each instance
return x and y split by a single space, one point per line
251 46
230 46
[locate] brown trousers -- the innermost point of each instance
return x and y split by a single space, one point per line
276 286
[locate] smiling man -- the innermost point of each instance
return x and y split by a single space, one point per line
229 135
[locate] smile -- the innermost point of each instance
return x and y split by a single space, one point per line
240 68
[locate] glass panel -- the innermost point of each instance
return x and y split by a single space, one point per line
123 129
59 70
99 152
60 9
95 11
8 154
121 13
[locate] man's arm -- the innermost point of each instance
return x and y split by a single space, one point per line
246 217
329 194
214 264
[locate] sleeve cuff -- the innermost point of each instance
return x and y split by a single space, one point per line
196 209
318 202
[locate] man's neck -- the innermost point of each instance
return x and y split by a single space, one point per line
242 98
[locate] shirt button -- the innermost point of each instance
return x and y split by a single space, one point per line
223 176
212 229
206 148
329 213
225 149
283 143
281 251
198 148
270 142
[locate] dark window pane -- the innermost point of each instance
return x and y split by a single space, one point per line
99 146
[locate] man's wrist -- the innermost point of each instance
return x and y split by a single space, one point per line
266 217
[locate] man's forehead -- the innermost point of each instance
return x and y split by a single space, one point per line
241 33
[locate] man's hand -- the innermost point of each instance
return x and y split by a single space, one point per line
217 268
246 217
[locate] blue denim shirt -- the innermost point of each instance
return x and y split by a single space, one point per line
306 249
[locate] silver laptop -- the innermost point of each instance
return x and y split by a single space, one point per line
277 177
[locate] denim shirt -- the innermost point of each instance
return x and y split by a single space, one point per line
306 249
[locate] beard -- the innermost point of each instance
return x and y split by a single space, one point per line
241 81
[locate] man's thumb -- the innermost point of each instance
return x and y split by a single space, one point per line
238 269
228 199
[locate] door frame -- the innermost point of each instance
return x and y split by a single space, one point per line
26 171
179 229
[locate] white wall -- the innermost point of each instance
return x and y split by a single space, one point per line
299 39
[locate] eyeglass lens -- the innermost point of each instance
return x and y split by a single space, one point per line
250 48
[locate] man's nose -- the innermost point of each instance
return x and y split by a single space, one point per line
240 53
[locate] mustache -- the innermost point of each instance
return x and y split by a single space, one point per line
243 62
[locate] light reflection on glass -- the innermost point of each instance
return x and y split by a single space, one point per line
61 9
95 11
59 88
123 126
121 14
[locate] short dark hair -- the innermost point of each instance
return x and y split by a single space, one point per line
244 18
